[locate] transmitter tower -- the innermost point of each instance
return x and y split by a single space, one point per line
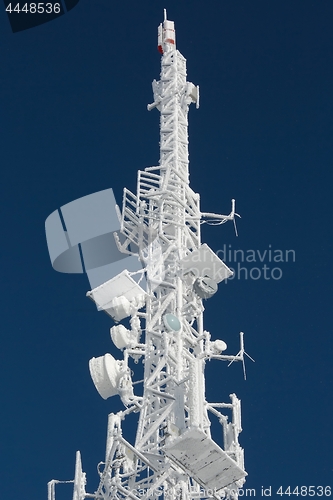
174 455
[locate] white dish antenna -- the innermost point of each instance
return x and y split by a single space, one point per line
105 371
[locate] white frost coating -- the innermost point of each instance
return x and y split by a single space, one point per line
174 453
122 337
105 373
204 460
119 296
204 262
79 492
111 377
219 346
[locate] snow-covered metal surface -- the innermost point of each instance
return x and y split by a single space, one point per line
204 262
79 492
202 459
118 296
174 453
104 371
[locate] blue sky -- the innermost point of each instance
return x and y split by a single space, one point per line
73 96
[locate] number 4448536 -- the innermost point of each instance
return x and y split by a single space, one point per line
35 8
304 491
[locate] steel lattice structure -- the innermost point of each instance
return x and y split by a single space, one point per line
174 455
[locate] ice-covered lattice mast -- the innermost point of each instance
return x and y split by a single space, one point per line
174 455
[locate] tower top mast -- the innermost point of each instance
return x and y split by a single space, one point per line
174 453
166 35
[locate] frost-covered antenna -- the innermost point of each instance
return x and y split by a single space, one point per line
160 285
240 355
216 219
234 215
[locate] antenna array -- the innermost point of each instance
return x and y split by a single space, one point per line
174 454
